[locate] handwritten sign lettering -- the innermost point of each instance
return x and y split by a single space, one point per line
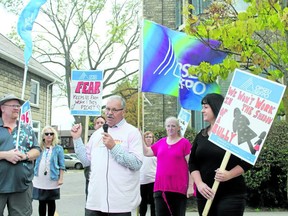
246 115
86 93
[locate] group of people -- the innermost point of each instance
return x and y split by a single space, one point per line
127 169
169 169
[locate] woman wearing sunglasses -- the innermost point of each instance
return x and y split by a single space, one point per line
48 171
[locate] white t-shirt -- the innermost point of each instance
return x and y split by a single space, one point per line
43 181
113 187
148 170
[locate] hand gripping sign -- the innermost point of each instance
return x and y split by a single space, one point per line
245 118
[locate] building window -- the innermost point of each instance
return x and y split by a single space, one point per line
36 128
34 94
180 17
179 13
197 121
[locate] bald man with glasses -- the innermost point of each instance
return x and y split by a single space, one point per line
115 157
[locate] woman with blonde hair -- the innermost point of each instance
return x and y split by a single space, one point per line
172 183
48 172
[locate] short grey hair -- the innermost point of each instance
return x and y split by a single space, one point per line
118 97
174 119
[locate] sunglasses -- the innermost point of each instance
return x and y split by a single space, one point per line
49 134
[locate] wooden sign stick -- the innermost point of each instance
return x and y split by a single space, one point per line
216 183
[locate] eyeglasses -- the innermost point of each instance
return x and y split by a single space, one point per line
49 134
149 137
14 106
112 110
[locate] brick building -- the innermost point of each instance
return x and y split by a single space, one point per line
39 82
158 107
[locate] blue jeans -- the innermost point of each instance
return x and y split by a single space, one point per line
170 203
224 206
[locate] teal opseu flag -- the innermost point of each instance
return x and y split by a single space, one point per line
166 57
25 25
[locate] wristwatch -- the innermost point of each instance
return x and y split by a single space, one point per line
27 157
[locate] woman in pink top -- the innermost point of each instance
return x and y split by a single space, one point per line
172 183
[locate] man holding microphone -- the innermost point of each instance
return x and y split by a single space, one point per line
115 158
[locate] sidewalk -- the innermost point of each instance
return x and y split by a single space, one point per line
250 213
72 200
247 213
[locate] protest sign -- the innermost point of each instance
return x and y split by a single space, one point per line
86 92
246 115
26 116
184 118
245 118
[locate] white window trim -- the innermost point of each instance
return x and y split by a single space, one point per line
38 92
37 129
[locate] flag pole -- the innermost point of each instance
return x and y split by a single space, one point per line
24 28
24 81
140 77
22 97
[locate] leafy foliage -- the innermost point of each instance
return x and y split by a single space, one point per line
255 39
267 180
86 35
128 89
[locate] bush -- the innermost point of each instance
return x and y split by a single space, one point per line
267 180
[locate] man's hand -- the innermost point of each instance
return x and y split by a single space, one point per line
108 140
76 131
14 156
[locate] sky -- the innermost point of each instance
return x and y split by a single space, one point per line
60 111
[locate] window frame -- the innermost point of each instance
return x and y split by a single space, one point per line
37 129
37 92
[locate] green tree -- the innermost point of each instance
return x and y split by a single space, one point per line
255 40
128 89
89 35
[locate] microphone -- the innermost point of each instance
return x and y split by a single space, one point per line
105 128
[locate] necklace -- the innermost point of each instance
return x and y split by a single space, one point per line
47 157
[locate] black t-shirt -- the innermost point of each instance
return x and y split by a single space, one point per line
206 157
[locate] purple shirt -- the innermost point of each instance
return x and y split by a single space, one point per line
172 167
